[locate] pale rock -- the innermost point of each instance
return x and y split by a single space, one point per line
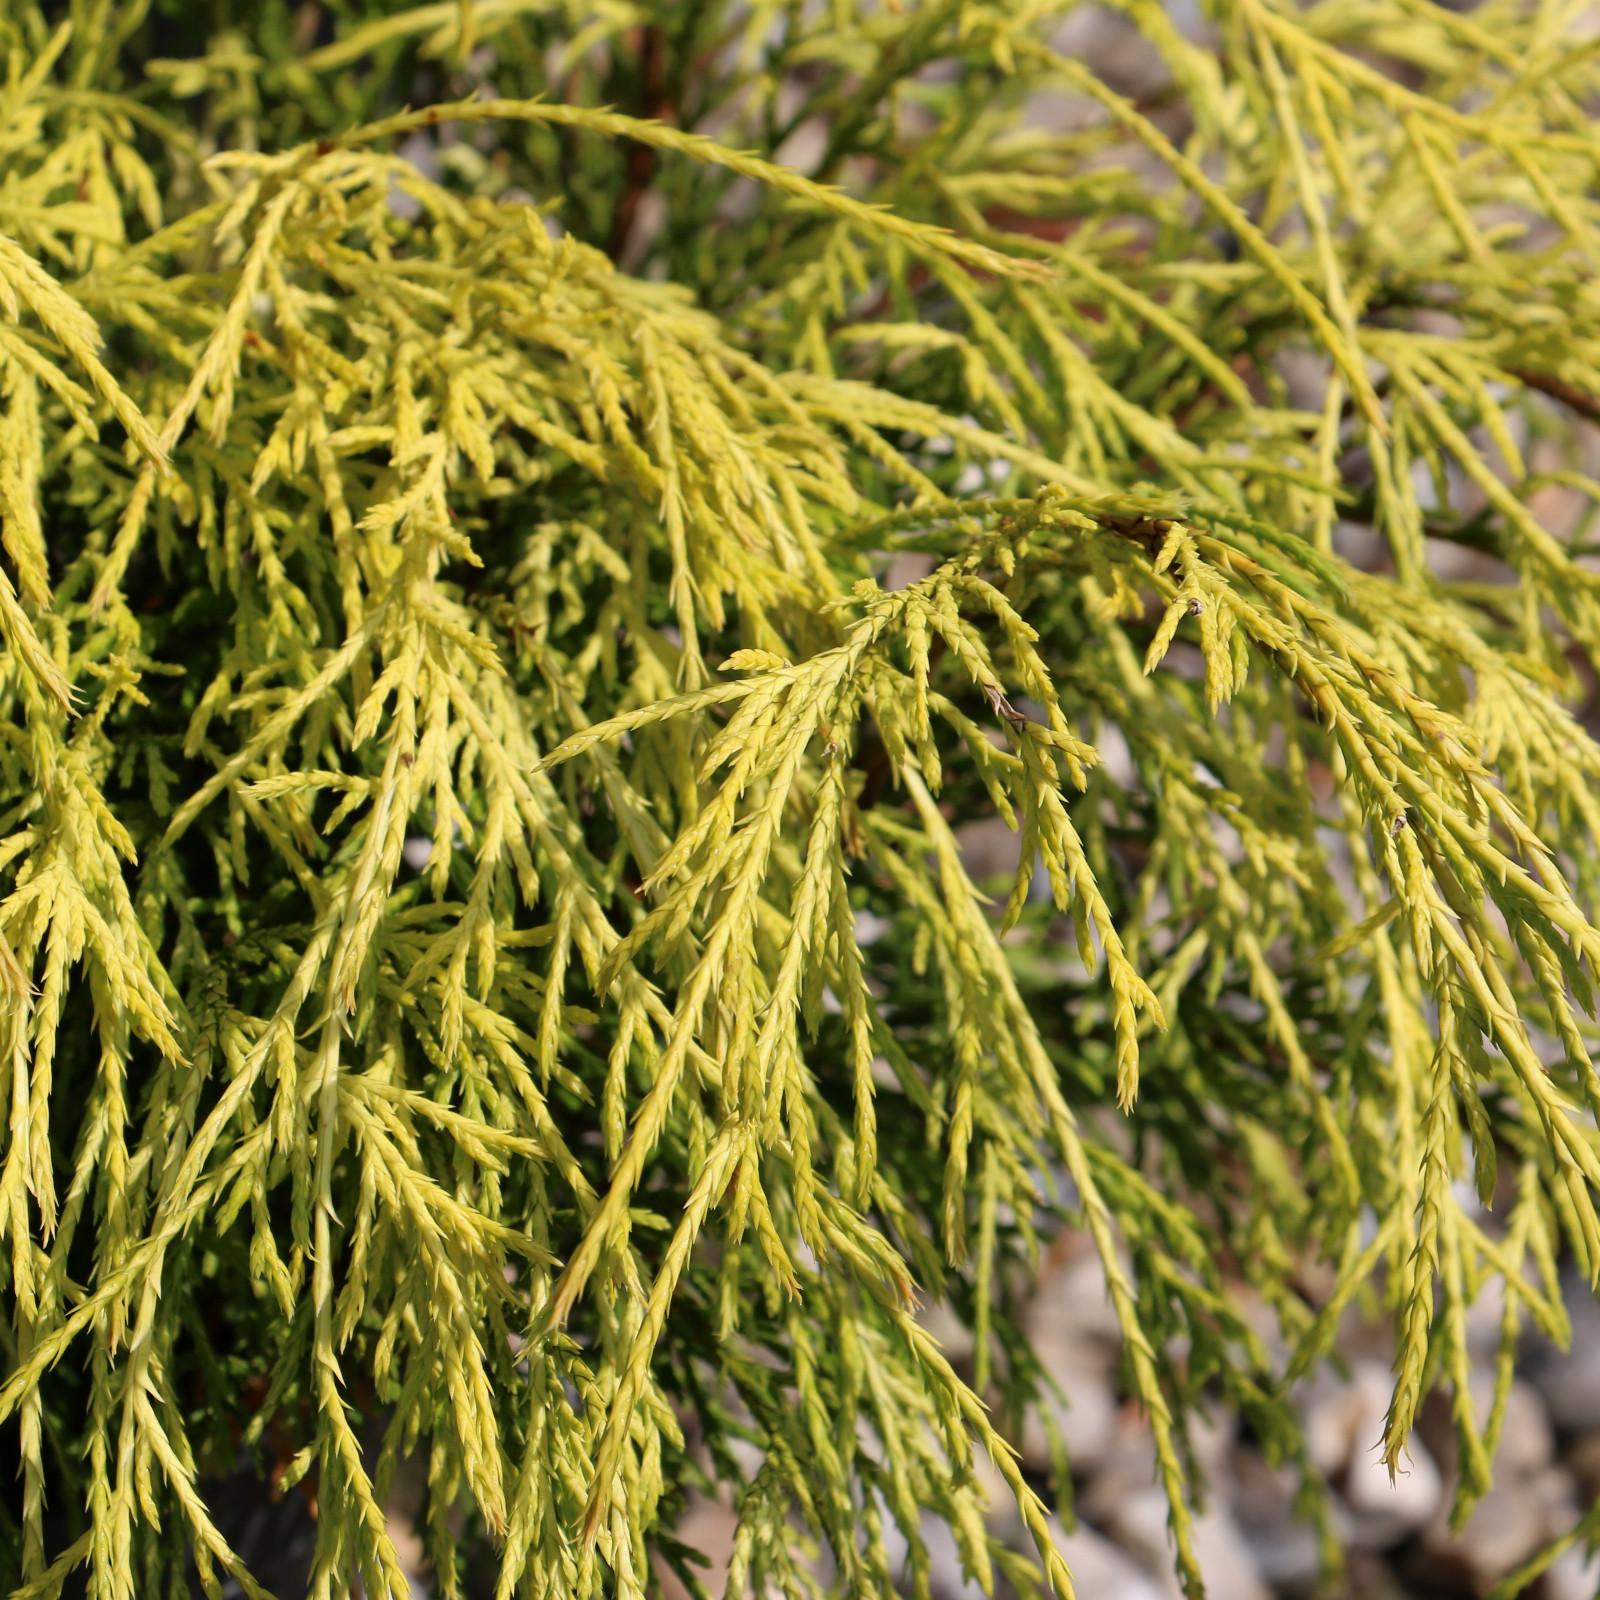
954 1336
407 1490
907 567
1570 1384
1114 49
1084 1412
1569 1380
1212 1432
1072 1302
409 1552
1137 1520
1507 1526
1384 1509
1305 373
1129 1468
1227 1564
1073 1330
1263 1499
989 849
804 148
1263 1321
1116 755
1582 1458
1483 1320
1000 1511
1332 1413
1362 1338
1344 1432
708 1526
1102 1570
1370 1577
1527 1441
947 1576
1556 1495
1129 1462
1573 1575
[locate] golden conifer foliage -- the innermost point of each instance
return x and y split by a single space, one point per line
489 960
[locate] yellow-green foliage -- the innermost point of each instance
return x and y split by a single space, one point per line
343 508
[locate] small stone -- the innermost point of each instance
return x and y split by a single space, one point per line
1573 1575
1344 1431
1483 1320
1115 50
1507 1526
1263 1321
1137 1520
1372 1578
1227 1564
1263 1499
1212 1431
989 849
1085 1412
1100 1569
907 567
947 1577
409 1552
1333 1413
1072 1301
1000 1511
708 1526
1129 1468
954 1336
1569 1380
1527 1441
1383 1510
1583 1460
1073 1329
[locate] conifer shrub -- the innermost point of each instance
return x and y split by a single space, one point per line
491 974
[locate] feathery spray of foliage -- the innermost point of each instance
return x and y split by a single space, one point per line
604 1155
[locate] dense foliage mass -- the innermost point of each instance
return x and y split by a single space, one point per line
487 953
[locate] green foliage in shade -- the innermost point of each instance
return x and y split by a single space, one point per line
598 1158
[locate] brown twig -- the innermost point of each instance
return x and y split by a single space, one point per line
1579 400
641 159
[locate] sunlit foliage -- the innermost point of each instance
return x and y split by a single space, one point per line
485 936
